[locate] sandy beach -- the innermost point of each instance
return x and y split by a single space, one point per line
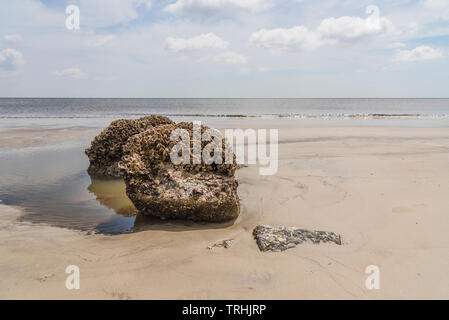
384 189
116 180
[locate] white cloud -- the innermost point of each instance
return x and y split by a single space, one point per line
10 59
280 38
350 28
21 16
12 38
203 41
201 7
74 73
101 41
395 45
417 54
436 4
101 13
227 57
330 31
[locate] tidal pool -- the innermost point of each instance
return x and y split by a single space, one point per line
52 186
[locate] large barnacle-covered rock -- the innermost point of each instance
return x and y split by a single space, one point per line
106 148
195 191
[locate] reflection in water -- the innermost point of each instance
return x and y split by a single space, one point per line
52 186
112 194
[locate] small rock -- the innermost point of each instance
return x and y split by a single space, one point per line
223 244
281 238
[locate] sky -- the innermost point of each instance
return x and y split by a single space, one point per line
224 48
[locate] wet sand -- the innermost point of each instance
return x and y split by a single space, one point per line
384 189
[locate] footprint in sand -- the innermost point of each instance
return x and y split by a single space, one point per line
316 191
45 277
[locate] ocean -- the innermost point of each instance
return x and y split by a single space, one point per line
54 112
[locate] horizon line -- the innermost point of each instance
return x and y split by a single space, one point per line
42 97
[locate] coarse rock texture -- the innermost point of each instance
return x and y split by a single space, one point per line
270 238
106 148
158 187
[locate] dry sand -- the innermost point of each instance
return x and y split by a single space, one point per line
384 189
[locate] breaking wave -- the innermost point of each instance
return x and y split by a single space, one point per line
325 116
